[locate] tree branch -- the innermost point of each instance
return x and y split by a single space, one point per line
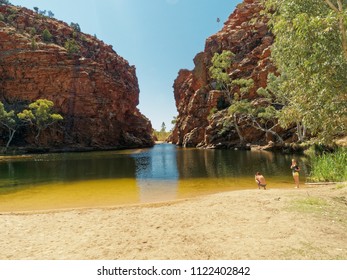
332 6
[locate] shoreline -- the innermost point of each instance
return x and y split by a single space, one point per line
150 204
305 223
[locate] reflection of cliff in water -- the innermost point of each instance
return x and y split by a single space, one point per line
194 163
70 167
156 170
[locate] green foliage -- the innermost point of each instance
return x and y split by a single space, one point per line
7 118
46 36
241 107
330 167
10 121
161 135
262 116
244 85
219 69
40 115
33 44
32 31
310 205
42 12
163 127
71 46
309 53
212 112
4 2
50 14
174 120
75 26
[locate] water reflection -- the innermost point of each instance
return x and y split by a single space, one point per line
156 173
70 167
194 163
161 173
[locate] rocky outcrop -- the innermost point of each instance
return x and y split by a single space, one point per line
93 88
202 114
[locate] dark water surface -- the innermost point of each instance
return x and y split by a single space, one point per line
164 172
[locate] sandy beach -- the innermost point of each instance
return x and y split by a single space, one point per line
305 223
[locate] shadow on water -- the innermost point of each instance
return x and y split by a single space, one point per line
161 173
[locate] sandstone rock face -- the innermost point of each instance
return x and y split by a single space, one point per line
247 35
93 88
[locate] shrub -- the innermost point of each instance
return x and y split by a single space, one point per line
33 44
47 36
212 112
71 46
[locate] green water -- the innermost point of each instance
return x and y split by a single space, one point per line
162 173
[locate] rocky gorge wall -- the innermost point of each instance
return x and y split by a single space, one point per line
92 87
247 35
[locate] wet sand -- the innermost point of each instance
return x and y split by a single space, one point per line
305 223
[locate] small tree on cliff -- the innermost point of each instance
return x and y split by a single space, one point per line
47 36
71 46
219 71
241 109
10 121
75 26
50 14
40 115
4 2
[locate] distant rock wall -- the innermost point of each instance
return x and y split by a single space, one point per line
247 35
93 88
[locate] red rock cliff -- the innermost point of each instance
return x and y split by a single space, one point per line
93 88
247 35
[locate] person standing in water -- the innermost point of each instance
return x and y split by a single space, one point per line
260 180
295 171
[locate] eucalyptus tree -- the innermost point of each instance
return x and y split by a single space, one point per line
40 114
261 116
219 71
310 54
9 120
261 113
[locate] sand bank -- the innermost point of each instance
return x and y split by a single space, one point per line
306 223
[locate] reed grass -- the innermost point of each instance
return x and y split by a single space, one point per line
329 167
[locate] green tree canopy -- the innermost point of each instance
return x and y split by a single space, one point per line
40 114
4 2
309 52
221 63
47 36
9 120
163 127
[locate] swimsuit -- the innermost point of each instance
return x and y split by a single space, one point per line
295 170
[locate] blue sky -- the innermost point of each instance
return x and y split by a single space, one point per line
159 37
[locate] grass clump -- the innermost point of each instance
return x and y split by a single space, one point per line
330 167
310 204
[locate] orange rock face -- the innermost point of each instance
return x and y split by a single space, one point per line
247 35
93 88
